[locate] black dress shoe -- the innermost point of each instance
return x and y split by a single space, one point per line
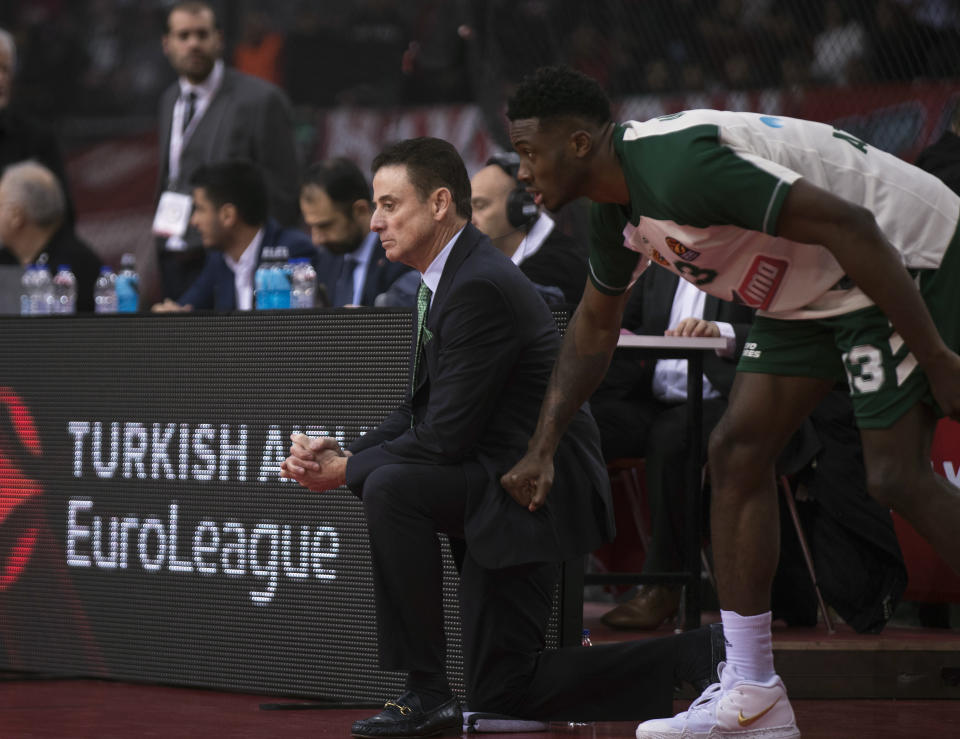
698 658
405 717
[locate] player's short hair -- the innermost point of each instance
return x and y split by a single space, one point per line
557 92
239 183
431 163
341 179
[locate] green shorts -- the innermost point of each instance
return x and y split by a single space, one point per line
884 377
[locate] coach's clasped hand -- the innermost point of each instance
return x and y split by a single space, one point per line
317 463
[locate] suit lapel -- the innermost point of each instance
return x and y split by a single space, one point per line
711 308
207 134
461 249
465 244
166 123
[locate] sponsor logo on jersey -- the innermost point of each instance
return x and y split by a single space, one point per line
680 250
761 282
659 258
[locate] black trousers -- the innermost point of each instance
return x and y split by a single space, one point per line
657 431
504 614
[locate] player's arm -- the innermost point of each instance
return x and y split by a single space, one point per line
581 364
815 216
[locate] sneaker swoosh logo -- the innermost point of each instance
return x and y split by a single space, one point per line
744 721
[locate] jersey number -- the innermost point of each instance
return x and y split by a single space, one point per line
697 275
868 362
850 139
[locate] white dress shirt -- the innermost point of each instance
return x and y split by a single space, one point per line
670 375
243 271
435 271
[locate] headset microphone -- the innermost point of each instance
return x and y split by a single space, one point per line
522 211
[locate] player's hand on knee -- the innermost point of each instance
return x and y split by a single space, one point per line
529 481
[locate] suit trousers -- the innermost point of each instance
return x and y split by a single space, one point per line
657 431
504 614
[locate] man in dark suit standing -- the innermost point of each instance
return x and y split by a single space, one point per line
641 410
230 213
482 349
212 114
352 265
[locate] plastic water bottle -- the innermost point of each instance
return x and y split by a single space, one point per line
304 283
105 292
41 291
64 290
272 283
261 287
128 285
26 286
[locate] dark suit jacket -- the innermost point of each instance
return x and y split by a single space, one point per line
381 273
215 289
247 118
648 313
561 261
65 248
476 403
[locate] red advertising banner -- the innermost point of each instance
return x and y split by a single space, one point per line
930 578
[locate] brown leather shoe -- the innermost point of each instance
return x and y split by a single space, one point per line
650 607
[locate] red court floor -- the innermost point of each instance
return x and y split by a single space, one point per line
94 709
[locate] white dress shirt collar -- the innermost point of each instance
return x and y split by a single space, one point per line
243 270
204 90
435 271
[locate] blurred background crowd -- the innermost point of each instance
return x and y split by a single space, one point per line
99 58
364 72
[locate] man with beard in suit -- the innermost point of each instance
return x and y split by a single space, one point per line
212 114
351 263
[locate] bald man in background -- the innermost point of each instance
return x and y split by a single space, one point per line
33 227
506 213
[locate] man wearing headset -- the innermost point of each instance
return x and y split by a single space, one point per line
505 212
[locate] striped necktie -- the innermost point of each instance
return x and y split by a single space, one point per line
423 335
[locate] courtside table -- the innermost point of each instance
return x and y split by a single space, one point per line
692 349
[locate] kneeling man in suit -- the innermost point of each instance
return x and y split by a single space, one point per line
482 351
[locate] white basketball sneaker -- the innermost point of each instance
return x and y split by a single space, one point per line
731 708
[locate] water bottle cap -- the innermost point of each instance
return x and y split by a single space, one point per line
63 268
586 632
105 269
